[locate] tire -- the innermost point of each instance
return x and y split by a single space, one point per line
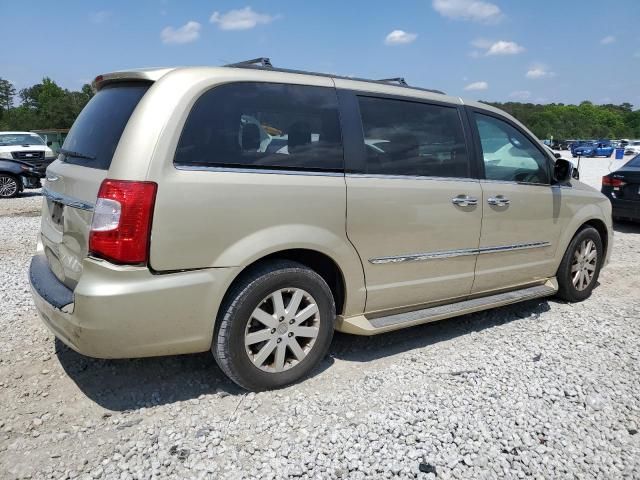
568 290
10 185
257 293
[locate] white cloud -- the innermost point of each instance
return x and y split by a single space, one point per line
539 71
501 47
100 17
477 86
400 37
520 95
474 10
187 33
505 48
609 39
242 19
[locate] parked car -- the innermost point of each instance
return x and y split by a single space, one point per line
54 137
172 227
559 145
593 149
632 148
23 160
622 187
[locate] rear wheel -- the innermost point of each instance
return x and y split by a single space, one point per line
580 267
275 326
9 185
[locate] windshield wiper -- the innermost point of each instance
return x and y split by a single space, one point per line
70 153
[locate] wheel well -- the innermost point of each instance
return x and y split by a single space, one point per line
316 261
602 230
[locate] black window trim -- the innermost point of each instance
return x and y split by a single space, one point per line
478 146
353 134
266 169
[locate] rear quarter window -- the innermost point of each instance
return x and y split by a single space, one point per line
97 130
263 126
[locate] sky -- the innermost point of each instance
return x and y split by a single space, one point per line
537 51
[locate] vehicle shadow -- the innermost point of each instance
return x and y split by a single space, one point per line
623 226
131 384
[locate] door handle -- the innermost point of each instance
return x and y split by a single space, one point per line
464 201
498 201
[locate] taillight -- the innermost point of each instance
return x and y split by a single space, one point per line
121 226
612 182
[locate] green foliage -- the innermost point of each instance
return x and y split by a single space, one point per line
44 105
7 94
576 121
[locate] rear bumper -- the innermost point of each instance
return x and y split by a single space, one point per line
124 312
625 208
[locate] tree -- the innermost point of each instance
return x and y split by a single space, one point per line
7 94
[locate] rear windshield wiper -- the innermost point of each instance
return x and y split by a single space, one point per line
70 153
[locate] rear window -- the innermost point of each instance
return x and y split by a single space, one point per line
263 125
634 162
95 134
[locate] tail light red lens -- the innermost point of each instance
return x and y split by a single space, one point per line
612 182
121 226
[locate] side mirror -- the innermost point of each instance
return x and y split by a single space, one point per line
562 171
557 155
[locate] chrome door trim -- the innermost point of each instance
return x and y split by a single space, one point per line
463 252
67 200
266 171
411 177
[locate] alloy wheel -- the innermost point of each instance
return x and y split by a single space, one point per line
8 186
583 266
282 330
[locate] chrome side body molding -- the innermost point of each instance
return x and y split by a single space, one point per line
418 257
67 200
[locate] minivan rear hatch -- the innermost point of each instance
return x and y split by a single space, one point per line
73 181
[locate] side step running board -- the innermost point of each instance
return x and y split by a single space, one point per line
361 325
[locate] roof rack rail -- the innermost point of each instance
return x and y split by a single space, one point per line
398 80
265 63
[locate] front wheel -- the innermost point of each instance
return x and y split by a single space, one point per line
275 326
9 186
580 267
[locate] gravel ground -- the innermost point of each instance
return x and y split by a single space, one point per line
542 389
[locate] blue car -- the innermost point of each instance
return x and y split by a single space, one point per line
592 149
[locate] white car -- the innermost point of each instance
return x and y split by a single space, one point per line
24 157
632 148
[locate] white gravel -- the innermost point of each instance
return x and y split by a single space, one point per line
542 389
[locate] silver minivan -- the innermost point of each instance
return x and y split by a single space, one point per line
252 211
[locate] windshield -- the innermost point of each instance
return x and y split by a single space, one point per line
96 132
19 139
635 144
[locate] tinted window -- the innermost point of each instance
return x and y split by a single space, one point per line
634 162
409 138
97 130
263 125
508 154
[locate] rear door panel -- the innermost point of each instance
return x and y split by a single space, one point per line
409 218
